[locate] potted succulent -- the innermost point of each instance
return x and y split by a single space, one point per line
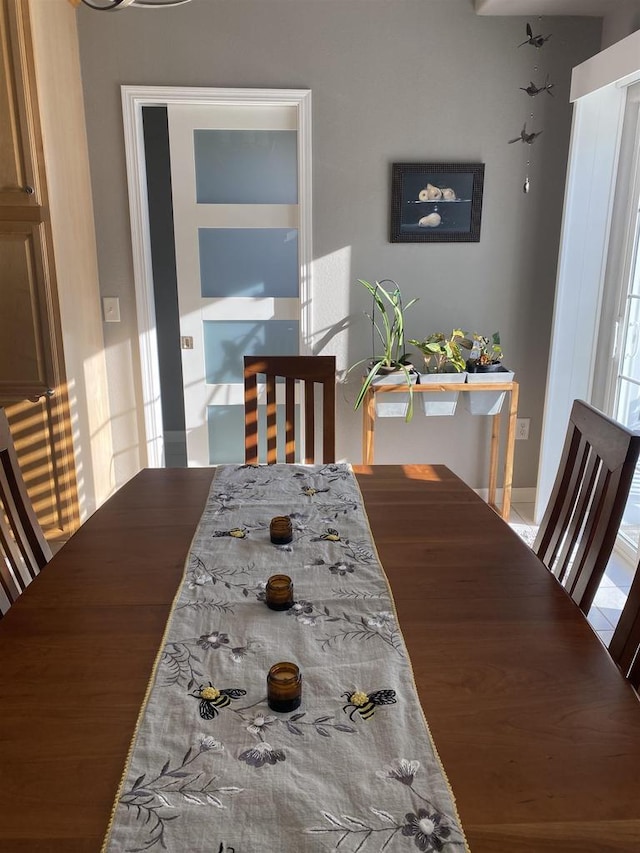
484 364
442 355
392 365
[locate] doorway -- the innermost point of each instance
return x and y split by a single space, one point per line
241 257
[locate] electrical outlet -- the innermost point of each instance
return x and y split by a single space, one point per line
522 429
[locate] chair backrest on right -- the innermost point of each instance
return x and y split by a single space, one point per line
24 551
581 522
305 370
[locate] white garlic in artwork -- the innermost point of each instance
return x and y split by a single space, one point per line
430 221
448 194
423 195
433 192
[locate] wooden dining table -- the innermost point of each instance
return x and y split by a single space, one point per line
538 732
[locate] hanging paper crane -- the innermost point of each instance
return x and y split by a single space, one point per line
528 138
534 41
532 90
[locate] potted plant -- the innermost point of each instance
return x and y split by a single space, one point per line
484 364
442 355
392 365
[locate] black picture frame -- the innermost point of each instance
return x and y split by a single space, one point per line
420 215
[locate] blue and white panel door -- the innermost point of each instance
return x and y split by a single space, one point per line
236 207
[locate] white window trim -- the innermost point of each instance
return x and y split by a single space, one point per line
599 91
134 98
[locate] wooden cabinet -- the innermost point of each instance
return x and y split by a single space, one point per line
33 384
20 184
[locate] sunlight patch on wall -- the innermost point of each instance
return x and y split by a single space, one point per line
330 314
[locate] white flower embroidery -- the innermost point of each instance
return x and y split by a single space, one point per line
401 770
260 723
198 578
210 744
380 619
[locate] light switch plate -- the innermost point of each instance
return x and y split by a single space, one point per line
111 309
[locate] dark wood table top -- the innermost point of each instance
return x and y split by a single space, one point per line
538 732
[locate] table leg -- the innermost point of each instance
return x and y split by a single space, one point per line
368 427
493 459
508 461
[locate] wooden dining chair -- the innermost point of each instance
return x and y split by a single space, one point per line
24 551
581 522
306 371
624 647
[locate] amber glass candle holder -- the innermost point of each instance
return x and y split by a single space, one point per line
284 687
279 592
280 530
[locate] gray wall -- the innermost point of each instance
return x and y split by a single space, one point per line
621 21
392 81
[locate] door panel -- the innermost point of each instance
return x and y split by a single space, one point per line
41 431
19 183
249 262
246 166
25 333
234 175
32 389
225 424
227 341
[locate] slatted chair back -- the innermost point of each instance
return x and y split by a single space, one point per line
581 522
24 551
306 371
624 647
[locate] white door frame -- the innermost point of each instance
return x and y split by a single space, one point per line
134 98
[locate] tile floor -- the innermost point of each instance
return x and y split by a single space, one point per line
613 591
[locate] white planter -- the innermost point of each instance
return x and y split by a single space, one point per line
393 405
440 402
487 402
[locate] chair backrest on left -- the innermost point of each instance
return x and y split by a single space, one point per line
581 522
24 551
307 370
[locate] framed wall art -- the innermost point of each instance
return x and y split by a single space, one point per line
436 202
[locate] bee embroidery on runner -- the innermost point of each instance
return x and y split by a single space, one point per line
365 703
211 699
235 532
331 535
309 491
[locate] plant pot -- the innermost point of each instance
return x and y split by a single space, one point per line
487 402
440 402
393 405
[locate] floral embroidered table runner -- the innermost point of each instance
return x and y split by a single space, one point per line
353 769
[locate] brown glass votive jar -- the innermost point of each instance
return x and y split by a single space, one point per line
284 687
280 530
279 592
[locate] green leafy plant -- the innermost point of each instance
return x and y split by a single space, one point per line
485 351
441 353
387 325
